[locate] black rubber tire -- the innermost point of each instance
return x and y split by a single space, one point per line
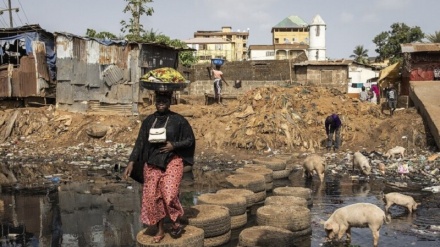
271 163
218 240
267 173
249 195
281 174
235 204
238 221
213 219
265 236
192 236
260 196
285 200
252 182
294 191
292 218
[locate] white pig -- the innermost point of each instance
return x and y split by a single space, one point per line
395 150
355 215
314 163
361 162
401 200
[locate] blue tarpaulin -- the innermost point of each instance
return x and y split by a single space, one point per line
27 38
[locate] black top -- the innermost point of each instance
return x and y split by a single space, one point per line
179 133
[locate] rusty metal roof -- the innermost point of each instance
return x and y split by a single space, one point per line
420 47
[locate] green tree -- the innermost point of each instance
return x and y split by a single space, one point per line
388 42
360 54
101 35
137 8
434 38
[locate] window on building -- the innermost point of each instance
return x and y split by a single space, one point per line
277 41
270 53
228 37
218 47
203 47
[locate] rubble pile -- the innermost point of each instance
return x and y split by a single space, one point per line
40 142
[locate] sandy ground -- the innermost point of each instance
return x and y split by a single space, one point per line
263 121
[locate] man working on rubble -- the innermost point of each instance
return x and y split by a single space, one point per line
218 78
333 127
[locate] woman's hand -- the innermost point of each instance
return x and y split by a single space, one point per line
128 170
168 147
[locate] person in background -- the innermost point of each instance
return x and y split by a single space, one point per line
333 128
363 96
163 169
376 90
392 98
372 97
218 78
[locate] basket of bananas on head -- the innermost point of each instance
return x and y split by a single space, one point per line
163 79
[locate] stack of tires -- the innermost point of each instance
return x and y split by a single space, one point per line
285 200
295 191
266 172
235 204
215 221
296 219
247 194
193 237
253 182
265 236
278 166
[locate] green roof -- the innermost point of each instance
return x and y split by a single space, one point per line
291 21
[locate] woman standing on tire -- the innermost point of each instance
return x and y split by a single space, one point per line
163 169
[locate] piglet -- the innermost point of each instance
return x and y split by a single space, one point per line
355 215
401 200
395 150
314 164
361 162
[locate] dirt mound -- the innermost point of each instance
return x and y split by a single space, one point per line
279 118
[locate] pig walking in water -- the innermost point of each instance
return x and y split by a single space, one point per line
314 164
361 162
395 150
401 200
355 215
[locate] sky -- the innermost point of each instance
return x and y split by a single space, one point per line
349 22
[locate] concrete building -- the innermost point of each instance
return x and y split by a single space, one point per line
225 43
291 30
323 73
361 75
317 49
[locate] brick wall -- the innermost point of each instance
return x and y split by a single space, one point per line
260 73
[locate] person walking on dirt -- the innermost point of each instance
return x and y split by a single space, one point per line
218 78
162 160
333 128
392 99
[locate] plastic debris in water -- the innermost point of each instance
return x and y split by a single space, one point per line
402 168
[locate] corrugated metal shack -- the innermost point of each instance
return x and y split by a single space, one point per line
103 75
421 62
27 62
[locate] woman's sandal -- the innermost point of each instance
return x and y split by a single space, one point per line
176 230
158 238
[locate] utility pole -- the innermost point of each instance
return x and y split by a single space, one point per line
9 9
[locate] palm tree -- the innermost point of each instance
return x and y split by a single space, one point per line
360 54
434 38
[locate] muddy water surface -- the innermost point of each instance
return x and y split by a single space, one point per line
91 214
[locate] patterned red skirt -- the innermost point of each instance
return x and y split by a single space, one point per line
160 196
